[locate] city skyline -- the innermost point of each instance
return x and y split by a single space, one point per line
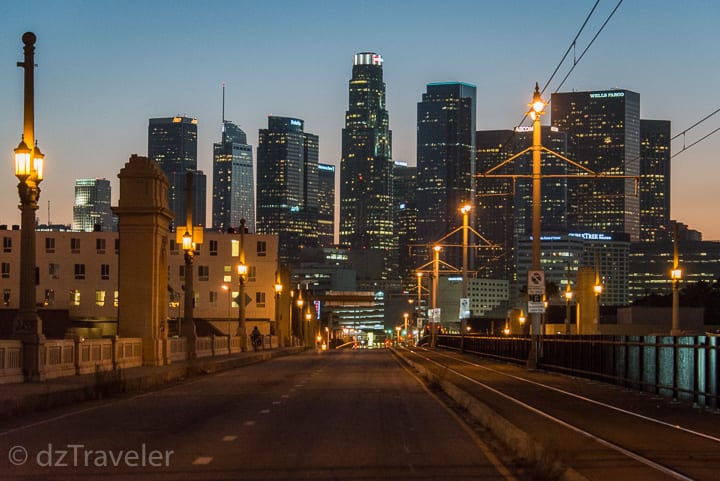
105 68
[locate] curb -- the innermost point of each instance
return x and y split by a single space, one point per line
512 437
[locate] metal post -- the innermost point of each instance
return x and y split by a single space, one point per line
28 325
241 294
675 274
436 273
463 320
535 112
188 325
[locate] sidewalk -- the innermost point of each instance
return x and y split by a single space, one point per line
25 398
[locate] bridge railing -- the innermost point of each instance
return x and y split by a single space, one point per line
681 367
10 361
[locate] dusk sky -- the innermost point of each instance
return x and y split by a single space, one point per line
106 67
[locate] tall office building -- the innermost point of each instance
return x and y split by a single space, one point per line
366 206
654 179
233 180
172 143
445 162
326 205
603 130
405 198
92 206
287 199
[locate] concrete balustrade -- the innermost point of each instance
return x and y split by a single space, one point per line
10 361
58 358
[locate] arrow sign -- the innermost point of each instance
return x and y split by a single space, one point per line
248 299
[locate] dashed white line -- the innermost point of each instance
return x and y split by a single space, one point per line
203 460
229 438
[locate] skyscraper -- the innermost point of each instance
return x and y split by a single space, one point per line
287 199
603 130
172 143
233 180
445 162
326 205
405 198
654 178
92 205
366 206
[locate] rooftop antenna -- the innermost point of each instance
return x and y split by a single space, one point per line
49 223
223 102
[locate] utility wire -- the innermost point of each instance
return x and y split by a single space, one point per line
694 143
575 60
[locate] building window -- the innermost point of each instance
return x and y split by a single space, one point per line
7 244
261 248
100 298
260 299
74 297
54 271
116 298
100 246
213 298
182 270
79 271
203 273
5 270
252 273
105 272
50 245
213 247
74 245
117 246
174 247
227 276
49 297
6 297
234 248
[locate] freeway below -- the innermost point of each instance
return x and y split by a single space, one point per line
347 415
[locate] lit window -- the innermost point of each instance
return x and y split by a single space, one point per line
74 297
100 298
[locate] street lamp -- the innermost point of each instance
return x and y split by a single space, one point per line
568 297
465 211
597 288
29 172
226 288
300 302
405 317
536 110
242 270
306 328
419 298
436 273
278 291
676 276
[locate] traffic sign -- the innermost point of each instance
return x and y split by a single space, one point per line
536 283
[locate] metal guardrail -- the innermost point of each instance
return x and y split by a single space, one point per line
682 367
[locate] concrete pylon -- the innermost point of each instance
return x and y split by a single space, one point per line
143 227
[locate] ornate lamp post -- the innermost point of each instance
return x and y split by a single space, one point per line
676 276
278 330
242 270
300 302
189 239
29 171
436 273
405 318
568 297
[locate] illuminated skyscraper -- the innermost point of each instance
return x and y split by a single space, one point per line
654 178
92 205
233 185
287 199
445 163
326 205
405 198
172 143
366 205
603 135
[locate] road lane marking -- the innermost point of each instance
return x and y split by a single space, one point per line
203 460
275 403
248 423
229 438
265 411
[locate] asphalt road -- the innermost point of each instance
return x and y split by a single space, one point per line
350 415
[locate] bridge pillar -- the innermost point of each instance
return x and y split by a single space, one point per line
144 220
